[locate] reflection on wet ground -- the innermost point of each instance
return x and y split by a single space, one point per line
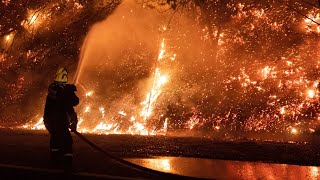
226 169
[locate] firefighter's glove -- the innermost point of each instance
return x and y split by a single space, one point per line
73 122
73 127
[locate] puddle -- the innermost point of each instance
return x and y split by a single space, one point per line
226 169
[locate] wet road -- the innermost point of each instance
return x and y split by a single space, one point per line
225 169
30 149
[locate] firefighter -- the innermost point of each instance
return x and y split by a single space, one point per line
59 117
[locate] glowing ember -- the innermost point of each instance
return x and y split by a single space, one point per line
162 51
87 109
8 37
122 113
88 94
311 93
294 131
282 110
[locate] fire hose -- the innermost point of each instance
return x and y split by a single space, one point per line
130 164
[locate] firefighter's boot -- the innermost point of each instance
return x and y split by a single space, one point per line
67 163
55 157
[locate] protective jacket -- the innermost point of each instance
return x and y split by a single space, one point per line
59 112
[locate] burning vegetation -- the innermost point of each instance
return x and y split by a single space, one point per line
154 67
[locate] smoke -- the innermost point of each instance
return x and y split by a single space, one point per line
119 59
130 27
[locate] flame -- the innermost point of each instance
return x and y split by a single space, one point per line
137 126
103 126
314 171
309 25
32 19
165 125
37 126
35 19
162 51
101 109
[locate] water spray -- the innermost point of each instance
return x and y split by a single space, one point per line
80 63
154 78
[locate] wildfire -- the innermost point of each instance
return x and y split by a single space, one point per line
138 123
270 94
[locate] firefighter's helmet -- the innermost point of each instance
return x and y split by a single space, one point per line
61 75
